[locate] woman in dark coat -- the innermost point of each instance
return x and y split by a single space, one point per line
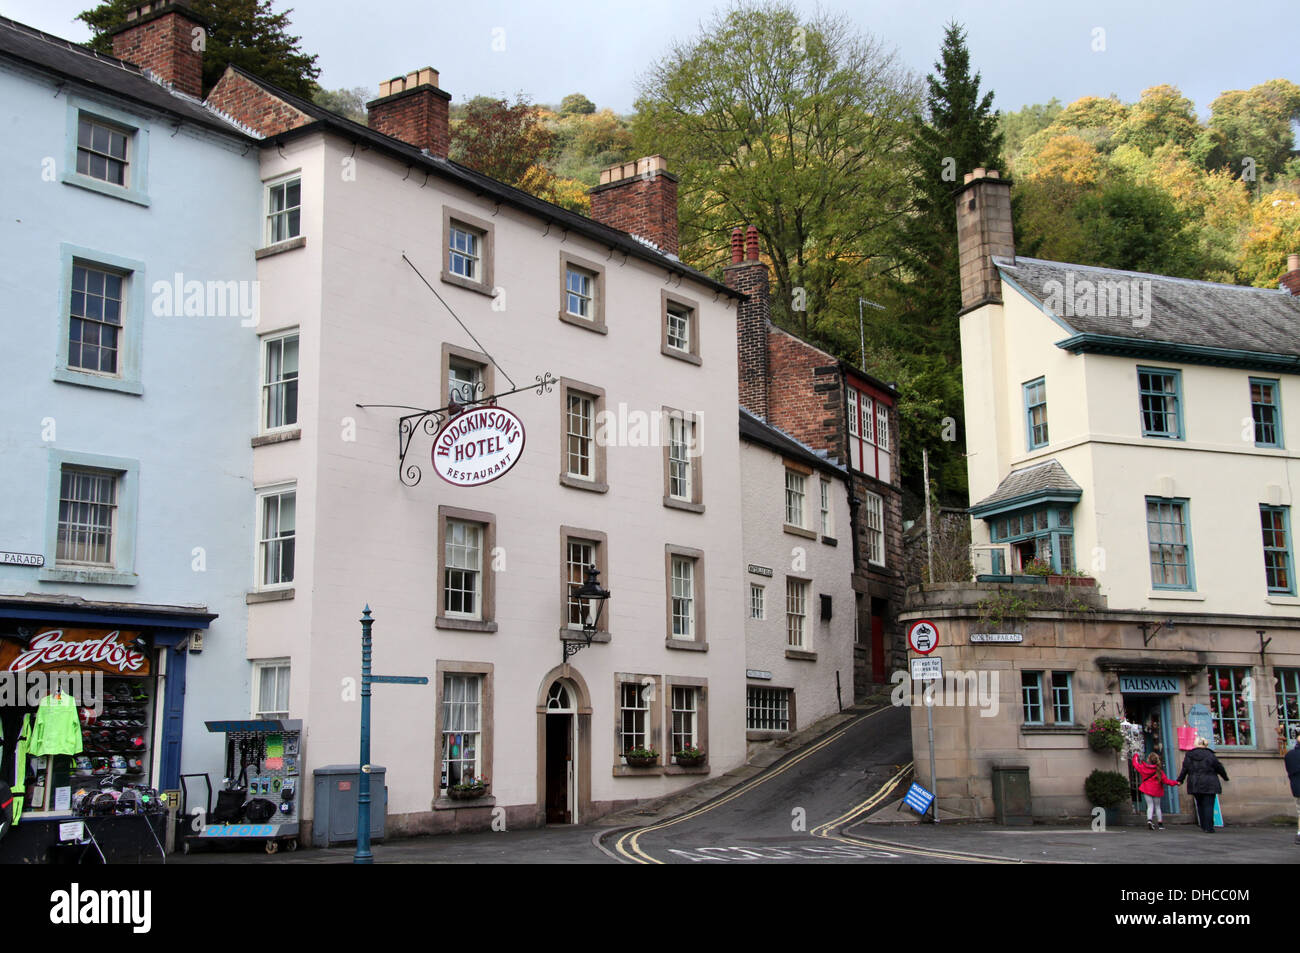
1202 771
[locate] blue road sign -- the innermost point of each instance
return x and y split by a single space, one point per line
918 798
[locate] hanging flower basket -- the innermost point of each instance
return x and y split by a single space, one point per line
1104 734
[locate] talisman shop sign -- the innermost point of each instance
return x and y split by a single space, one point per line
478 446
54 650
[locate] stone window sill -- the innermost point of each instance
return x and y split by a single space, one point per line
687 645
577 483
268 595
464 625
675 504
67 375
587 324
278 436
105 188
800 655
459 804
91 577
1053 729
280 247
462 282
1283 601
577 635
830 541
799 531
686 356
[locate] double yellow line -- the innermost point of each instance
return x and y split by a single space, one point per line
629 847
831 830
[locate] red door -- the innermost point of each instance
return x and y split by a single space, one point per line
877 641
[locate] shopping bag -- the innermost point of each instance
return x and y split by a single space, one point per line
1186 738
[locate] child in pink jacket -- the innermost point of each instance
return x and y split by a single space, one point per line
1152 781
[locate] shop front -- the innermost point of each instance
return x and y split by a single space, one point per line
91 709
1029 669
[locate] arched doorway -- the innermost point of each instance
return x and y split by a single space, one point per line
563 748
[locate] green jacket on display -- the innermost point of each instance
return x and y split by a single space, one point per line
57 729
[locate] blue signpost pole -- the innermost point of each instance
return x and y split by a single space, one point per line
363 854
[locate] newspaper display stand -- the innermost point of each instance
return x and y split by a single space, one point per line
263 772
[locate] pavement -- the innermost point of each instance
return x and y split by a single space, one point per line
829 794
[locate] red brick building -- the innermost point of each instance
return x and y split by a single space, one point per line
852 418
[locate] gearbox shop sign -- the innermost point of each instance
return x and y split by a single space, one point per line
114 652
478 446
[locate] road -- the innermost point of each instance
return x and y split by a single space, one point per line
806 808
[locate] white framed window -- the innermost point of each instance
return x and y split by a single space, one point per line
95 319
767 709
103 151
853 412
280 382
867 418
795 499
87 528
828 522
283 209
271 688
686 716
579 295
276 522
681 440
882 426
796 613
756 594
465 252
462 729
634 725
683 597
875 509
679 327
463 570
580 427
580 553
464 381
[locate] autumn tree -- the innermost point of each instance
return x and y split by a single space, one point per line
795 126
244 33
1256 126
502 140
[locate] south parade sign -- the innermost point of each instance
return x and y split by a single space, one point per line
478 446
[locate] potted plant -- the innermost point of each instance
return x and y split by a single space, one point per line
1035 571
1104 735
1107 790
468 790
1071 577
689 756
640 757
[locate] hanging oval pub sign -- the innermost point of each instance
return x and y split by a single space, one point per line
478 446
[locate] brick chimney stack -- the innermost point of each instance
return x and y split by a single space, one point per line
641 198
1291 280
412 108
983 230
750 276
167 39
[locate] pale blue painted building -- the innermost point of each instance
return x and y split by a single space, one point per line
125 461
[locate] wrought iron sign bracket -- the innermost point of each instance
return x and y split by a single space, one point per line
573 646
431 421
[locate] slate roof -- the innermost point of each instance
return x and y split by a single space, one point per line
53 54
1183 311
1046 477
757 431
482 184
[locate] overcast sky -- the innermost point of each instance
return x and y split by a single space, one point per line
1028 52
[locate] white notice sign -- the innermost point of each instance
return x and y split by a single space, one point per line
72 830
927 669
